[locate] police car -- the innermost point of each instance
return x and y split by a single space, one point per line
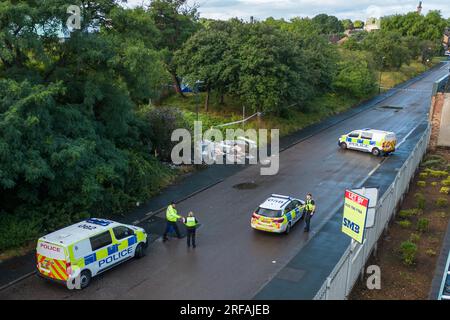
278 214
376 142
75 254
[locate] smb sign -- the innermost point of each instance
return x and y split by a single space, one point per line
355 214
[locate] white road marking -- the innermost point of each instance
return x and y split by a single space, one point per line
407 136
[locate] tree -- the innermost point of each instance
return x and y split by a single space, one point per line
347 24
355 75
358 24
176 22
387 48
71 143
206 57
328 24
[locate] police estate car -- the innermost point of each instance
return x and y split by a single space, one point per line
376 142
277 214
75 254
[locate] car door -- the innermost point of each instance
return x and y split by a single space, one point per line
352 139
97 261
366 140
298 209
291 212
126 241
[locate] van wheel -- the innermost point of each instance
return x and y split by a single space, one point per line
139 252
376 152
85 278
288 228
343 145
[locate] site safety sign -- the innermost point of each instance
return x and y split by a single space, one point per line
355 215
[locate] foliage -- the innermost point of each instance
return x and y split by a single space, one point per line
404 224
408 250
422 224
355 75
414 237
420 200
421 184
442 202
409 213
444 190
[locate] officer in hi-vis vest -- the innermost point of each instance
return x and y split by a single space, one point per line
191 225
171 221
310 209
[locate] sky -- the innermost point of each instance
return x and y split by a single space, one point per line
343 9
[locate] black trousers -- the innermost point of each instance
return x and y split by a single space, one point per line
191 237
171 225
307 220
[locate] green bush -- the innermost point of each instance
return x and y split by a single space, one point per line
423 175
434 183
437 173
444 190
430 252
446 182
442 202
421 184
420 200
409 213
409 251
434 162
17 230
404 224
422 224
414 237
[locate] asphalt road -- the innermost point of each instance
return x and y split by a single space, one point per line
232 261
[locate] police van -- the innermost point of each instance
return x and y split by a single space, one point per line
75 254
277 214
377 142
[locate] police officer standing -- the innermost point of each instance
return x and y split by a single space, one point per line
191 225
310 209
171 223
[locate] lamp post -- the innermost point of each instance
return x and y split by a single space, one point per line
381 72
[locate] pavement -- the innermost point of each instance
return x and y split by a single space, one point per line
444 131
232 261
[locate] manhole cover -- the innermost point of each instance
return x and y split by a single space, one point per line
245 186
392 107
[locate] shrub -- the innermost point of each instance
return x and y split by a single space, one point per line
408 250
430 252
437 173
434 183
414 237
409 213
420 200
442 202
423 175
445 190
446 182
421 184
434 162
404 224
422 224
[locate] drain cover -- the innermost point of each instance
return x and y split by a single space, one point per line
246 186
392 107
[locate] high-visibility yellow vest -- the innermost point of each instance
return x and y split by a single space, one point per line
171 214
309 206
190 222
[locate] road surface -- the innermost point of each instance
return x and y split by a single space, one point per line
232 261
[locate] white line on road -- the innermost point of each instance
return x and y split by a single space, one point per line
407 136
